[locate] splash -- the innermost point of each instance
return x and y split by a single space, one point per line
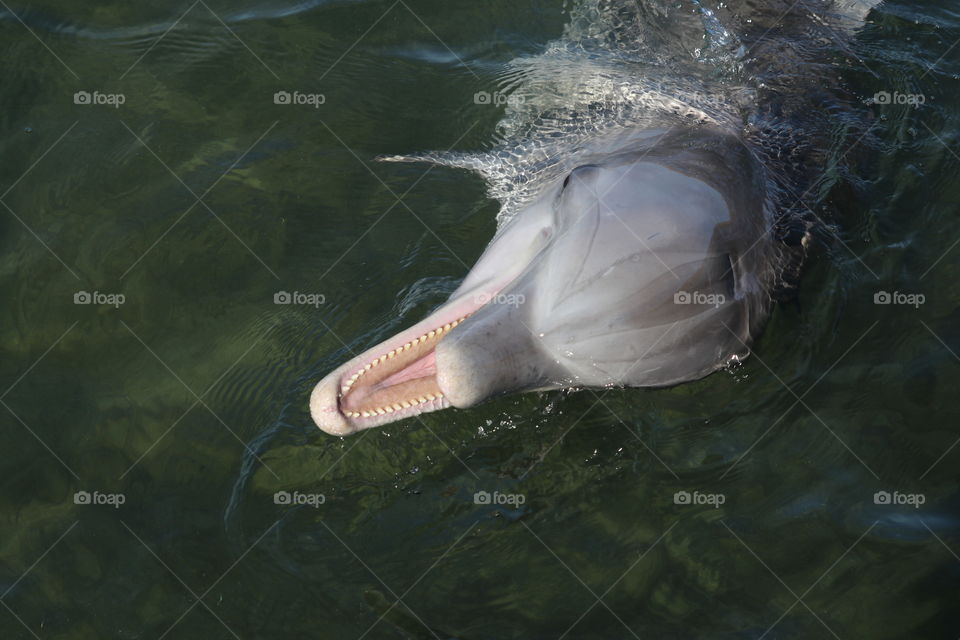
613 72
623 66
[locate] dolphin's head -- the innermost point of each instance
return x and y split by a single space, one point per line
637 270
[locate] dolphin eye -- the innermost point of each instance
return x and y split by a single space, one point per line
566 181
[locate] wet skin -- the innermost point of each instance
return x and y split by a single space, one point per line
646 268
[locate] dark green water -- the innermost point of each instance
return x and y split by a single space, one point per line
189 400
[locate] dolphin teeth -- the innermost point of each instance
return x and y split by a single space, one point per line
347 385
397 406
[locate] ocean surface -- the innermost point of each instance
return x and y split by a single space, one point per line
195 228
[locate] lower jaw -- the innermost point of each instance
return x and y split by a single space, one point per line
402 392
360 394
359 421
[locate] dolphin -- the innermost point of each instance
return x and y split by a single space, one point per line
647 253
647 267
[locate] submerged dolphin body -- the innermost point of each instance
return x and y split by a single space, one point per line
644 257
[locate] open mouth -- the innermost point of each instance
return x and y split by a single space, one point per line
394 380
401 380
424 368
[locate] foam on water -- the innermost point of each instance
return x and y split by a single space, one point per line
622 67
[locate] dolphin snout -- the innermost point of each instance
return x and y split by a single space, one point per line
325 409
491 354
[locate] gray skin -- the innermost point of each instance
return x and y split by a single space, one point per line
650 266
